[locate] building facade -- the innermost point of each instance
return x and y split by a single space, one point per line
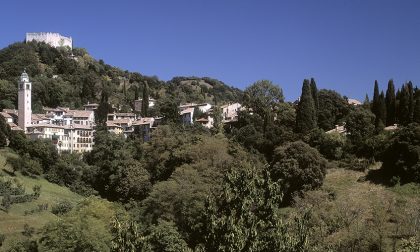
24 102
53 39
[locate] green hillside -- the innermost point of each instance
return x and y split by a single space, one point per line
62 77
12 222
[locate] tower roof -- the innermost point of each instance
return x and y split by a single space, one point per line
24 76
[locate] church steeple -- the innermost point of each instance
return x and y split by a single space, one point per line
24 101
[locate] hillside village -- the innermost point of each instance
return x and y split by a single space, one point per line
120 161
73 130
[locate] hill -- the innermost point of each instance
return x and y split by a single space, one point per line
67 78
35 213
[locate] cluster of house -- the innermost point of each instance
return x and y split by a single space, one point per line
72 130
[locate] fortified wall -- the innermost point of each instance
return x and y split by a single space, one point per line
53 39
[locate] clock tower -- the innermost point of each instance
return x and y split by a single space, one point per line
24 101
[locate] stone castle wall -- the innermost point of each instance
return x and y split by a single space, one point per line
53 39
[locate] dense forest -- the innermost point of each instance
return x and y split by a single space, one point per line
274 180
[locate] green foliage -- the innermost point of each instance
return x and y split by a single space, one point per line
145 100
244 215
402 157
306 111
262 98
332 110
85 228
359 125
164 237
299 166
62 207
330 145
390 101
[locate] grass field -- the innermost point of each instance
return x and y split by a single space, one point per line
12 222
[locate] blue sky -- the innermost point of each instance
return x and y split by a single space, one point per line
345 45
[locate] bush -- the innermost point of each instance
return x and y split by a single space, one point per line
62 207
299 166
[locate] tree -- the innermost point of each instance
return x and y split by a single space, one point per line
390 101
262 98
376 100
381 117
410 91
403 106
401 158
416 111
244 215
305 112
85 228
145 100
360 124
314 91
299 166
333 108
164 237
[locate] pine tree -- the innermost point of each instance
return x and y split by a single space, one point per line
416 112
390 101
145 100
305 113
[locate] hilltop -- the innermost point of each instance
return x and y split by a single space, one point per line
71 78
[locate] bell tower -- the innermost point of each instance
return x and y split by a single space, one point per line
24 101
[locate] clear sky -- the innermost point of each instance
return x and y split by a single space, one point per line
344 44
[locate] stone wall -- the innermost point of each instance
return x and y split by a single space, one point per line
53 39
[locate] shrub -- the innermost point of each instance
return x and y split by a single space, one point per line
62 207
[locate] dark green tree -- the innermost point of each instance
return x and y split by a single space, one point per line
244 216
376 100
410 91
416 112
314 91
333 108
262 98
381 117
145 100
305 113
360 124
390 101
403 106
299 166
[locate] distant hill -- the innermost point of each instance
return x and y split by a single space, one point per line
62 77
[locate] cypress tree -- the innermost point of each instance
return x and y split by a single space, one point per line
366 102
410 91
390 101
375 101
403 106
314 91
305 112
145 100
416 112
381 118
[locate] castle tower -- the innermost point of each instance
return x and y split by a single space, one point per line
24 101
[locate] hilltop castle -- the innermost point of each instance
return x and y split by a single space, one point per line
53 39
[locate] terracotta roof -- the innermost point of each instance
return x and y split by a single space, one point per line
11 111
121 121
79 113
5 115
144 121
14 127
111 124
204 120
